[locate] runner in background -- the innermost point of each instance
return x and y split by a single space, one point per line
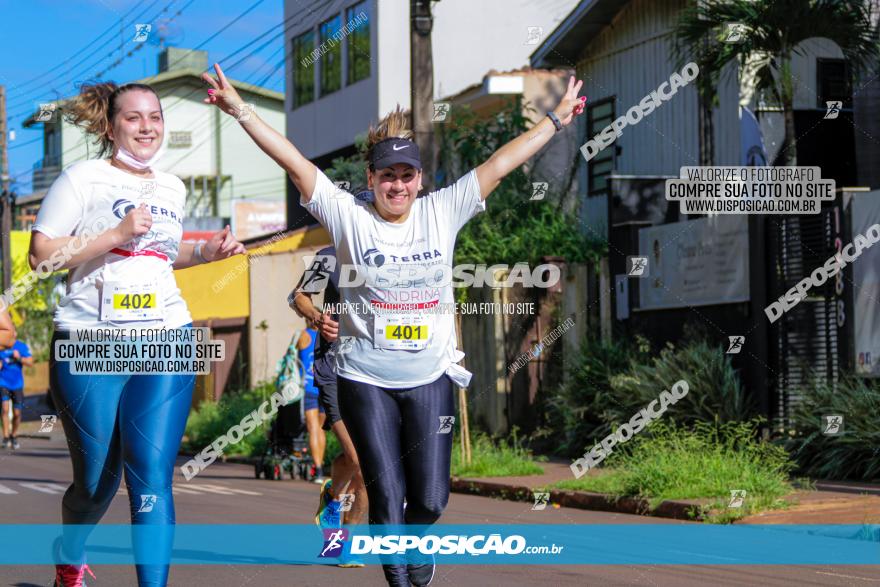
346 479
7 339
314 412
12 389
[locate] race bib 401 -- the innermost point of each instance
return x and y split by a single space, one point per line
410 333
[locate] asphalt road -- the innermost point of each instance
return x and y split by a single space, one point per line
33 479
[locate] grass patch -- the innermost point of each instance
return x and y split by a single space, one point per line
494 459
214 419
703 462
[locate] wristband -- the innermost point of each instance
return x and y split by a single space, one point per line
198 252
555 120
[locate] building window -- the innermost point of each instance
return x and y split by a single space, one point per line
331 55
303 69
179 139
358 49
53 145
599 168
834 81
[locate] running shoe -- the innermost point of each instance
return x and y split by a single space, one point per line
328 514
7 443
422 574
348 560
71 575
15 444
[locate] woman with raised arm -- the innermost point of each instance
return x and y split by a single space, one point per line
116 224
396 382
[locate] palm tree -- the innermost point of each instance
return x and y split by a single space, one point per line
773 31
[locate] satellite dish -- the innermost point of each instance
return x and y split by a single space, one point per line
166 33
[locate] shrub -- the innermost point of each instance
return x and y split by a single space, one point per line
574 412
214 419
854 454
610 381
715 392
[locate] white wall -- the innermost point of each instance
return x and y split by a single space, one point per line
330 123
469 38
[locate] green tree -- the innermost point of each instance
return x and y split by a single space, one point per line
773 31
513 229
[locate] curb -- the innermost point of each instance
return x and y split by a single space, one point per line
35 436
678 510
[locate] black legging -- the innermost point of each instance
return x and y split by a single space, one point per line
401 453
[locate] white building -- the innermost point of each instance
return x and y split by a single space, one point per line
207 149
357 81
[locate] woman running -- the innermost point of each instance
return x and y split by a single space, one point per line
116 224
396 382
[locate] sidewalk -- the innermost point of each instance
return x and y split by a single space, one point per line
834 502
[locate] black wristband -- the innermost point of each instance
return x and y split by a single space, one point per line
555 120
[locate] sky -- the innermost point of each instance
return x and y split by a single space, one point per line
48 46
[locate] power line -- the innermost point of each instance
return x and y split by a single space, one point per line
87 57
305 13
112 28
17 145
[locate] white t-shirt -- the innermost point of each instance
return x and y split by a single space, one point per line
95 194
425 240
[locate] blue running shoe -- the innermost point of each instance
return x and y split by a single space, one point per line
348 560
328 514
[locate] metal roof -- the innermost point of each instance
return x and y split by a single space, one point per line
564 45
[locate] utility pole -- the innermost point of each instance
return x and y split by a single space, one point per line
422 86
5 196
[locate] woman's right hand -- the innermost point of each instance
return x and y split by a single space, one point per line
222 94
136 223
324 324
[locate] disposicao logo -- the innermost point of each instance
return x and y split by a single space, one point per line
334 541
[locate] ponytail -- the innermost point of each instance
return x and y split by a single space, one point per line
94 108
394 125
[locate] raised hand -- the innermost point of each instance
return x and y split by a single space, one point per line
570 105
222 94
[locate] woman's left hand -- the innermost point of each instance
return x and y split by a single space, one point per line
221 245
570 105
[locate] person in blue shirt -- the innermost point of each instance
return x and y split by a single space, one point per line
12 389
314 411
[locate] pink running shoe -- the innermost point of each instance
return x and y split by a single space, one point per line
71 575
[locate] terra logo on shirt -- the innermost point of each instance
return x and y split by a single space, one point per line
375 258
122 207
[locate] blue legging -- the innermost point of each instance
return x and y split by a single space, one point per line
401 453
113 423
